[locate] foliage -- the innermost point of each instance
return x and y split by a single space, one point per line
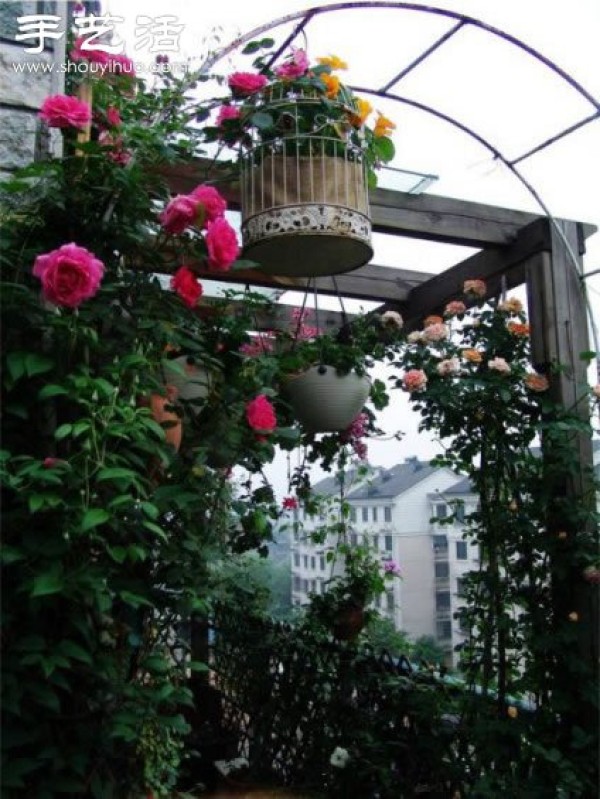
527 606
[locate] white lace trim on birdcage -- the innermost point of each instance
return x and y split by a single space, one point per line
308 219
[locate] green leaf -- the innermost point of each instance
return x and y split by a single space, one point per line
384 148
51 582
75 652
135 600
93 517
63 431
37 364
116 473
51 390
118 554
15 362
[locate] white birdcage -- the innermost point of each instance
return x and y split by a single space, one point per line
304 196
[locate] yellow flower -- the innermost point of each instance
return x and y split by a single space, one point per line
512 712
383 126
332 61
474 356
332 85
363 109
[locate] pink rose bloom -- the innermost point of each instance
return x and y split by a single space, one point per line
414 380
435 332
289 503
259 345
180 213
455 308
63 111
222 245
227 112
244 83
511 305
214 205
187 286
113 117
295 66
260 415
416 337
69 275
499 365
93 56
118 154
475 287
448 367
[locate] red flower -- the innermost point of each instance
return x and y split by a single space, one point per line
260 415
214 205
187 285
244 83
180 213
290 503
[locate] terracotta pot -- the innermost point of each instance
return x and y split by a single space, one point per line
349 621
159 406
324 401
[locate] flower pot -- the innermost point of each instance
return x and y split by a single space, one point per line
305 216
194 386
159 406
324 401
349 621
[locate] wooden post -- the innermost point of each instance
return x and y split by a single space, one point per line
85 94
559 324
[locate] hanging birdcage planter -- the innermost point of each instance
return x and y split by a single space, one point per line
304 196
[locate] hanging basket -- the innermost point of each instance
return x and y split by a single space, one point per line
324 401
304 197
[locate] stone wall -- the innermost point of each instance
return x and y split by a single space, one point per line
22 137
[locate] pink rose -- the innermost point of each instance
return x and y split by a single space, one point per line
391 567
475 287
499 365
69 275
93 56
227 112
455 308
187 286
244 83
260 415
295 66
118 153
222 245
113 117
214 205
448 367
414 380
289 503
435 332
62 111
181 212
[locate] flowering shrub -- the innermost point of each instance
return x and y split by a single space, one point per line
304 104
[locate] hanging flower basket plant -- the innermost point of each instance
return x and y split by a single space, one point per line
307 160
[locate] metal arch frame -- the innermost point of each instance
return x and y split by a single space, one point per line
462 20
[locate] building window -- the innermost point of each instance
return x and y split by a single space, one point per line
460 587
390 601
444 630
374 514
352 514
461 550
389 543
322 563
353 539
440 543
296 559
375 542
442 570
297 583
306 561
459 513
440 510
313 562
442 600
296 532
387 514
365 514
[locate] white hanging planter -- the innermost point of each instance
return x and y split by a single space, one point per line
325 401
195 383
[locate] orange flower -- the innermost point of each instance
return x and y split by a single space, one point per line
473 356
383 127
332 85
432 320
512 712
332 61
518 329
363 109
510 305
536 382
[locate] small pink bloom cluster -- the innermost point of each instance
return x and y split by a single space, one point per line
499 365
289 503
455 308
450 366
355 433
295 67
69 275
260 345
206 207
391 567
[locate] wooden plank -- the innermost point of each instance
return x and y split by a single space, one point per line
492 265
426 216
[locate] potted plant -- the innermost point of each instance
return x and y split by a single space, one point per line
307 158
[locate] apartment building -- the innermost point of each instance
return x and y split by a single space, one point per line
399 512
